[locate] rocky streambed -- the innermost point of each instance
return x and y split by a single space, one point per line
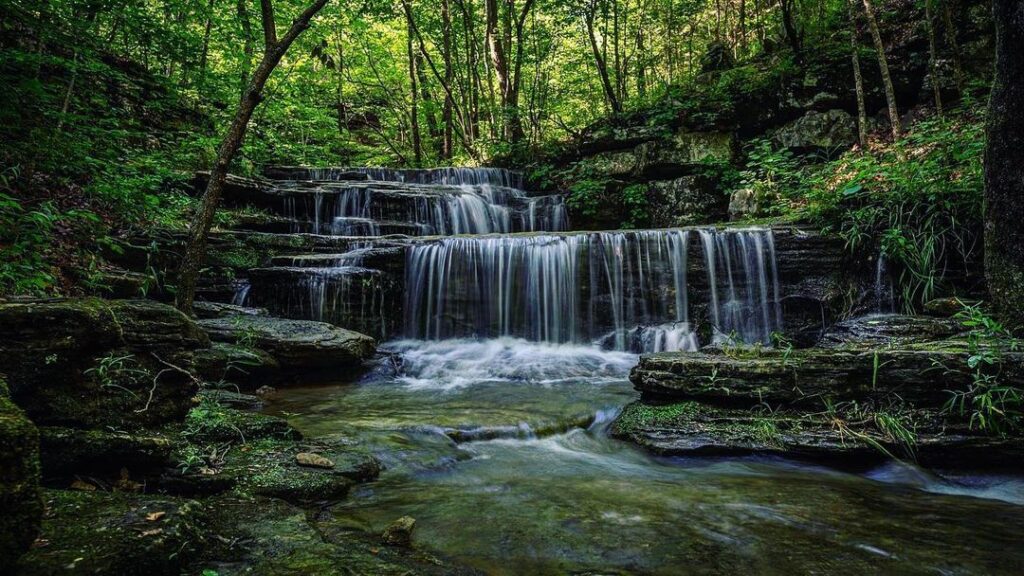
517 399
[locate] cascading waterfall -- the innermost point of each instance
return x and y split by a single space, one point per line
443 201
627 290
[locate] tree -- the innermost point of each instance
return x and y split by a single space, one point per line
858 79
274 50
933 57
1004 166
883 65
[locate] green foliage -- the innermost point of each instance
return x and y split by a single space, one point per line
989 404
585 195
918 200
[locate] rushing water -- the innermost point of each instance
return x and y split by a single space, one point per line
629 290
499 449
420 202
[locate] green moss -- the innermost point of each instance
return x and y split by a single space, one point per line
19 481
638 415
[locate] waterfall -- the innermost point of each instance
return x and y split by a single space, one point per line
885 297
627 290
466 207
743 284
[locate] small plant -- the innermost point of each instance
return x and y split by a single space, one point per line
118 371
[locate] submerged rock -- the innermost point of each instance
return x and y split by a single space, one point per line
399 532
21 508
294 343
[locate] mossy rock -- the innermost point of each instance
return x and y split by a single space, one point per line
212 422
246 367
20 506
69 452
296 344
91 363
280 539
115 533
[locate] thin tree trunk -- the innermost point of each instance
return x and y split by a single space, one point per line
247 45
204 54
195 249
858 79
954 46
446 47
933 57
883 64
599 61
1004 167
792 34
417 145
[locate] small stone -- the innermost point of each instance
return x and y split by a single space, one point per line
399 533
265 390
313 460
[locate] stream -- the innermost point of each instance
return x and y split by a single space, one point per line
499 449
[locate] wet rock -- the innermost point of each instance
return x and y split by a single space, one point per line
755 375
280 538
220 310
230 399
399 532
828 132
244 366
270 467
946 307
743 203
839 435
67 452
889 329
686 200
93 363
21 508
313 460
115 533
295 343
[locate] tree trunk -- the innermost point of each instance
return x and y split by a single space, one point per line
933 57
954 46
496 51
599 61
414 114
858 79
195 249
883 65
247 46
1004 167
792 34
446 46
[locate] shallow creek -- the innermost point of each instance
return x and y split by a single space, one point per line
499 449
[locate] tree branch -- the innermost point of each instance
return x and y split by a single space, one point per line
269 24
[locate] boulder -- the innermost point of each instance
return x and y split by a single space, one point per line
69 452
91 363
828 132
743 203
399 532
244 366
21 508
889 329
294 343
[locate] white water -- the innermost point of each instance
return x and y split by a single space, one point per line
627 290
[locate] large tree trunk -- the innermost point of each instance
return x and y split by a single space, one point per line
883 65
858 79
1004 167
195 249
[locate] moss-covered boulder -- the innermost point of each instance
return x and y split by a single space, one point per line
20 506
70 452
115 533
294 343
246 367
91 363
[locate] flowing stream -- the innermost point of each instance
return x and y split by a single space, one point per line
490 409
499 449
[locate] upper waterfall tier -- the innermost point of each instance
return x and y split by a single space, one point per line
379 201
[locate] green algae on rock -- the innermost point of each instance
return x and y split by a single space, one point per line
19 482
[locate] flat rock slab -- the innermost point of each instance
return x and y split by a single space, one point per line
221 309
923 374
890 329
695 429
294 343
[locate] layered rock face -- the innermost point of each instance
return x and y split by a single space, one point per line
20 501
877 386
